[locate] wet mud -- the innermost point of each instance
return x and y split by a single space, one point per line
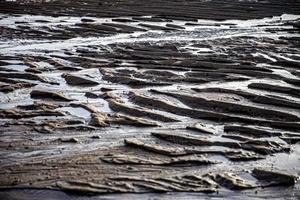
116 97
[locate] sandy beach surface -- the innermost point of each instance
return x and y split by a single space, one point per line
149 99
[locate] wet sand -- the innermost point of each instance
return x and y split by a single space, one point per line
134 99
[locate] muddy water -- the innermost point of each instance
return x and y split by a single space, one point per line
112 105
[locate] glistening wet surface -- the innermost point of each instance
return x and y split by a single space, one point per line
147 105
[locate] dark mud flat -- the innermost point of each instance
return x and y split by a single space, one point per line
149 99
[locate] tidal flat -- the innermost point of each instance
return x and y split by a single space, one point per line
195 99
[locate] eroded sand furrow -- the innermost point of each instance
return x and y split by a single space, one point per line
166 97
